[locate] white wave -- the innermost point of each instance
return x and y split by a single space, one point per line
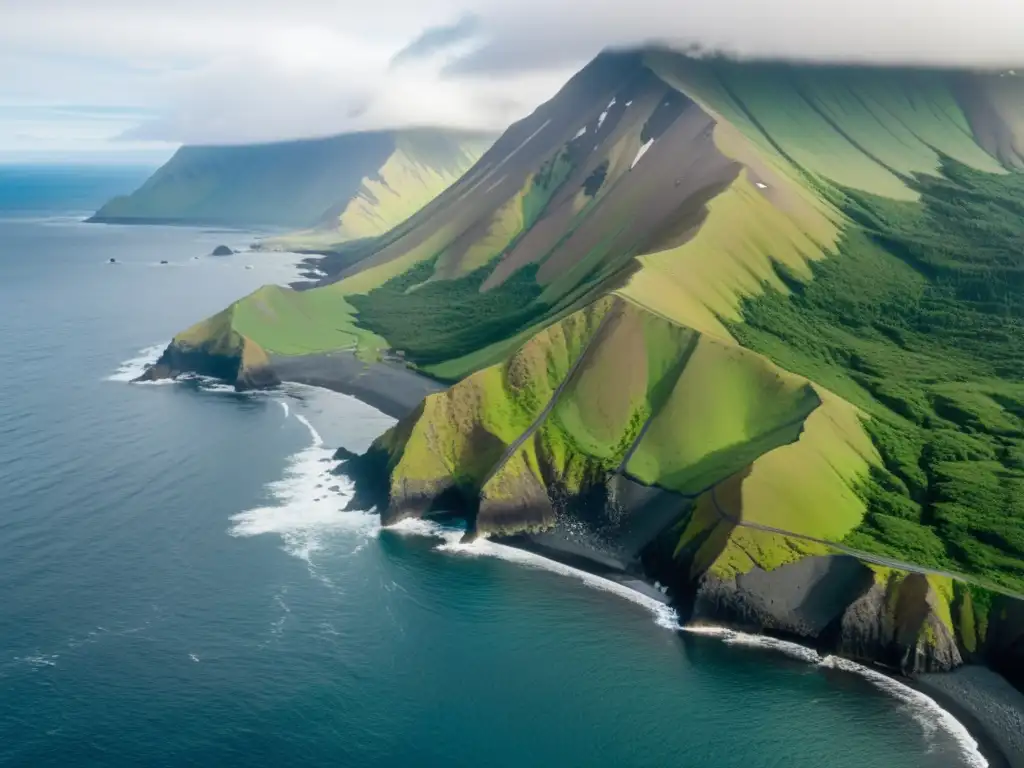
317 440
928 714
193 657
134 367
452 543
304 512
731 637
40 660
641 152
924 709
284 406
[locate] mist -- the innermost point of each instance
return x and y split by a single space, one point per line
241 72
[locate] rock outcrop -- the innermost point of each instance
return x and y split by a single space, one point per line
245 366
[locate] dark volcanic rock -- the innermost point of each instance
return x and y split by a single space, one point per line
802 598
176 361
894 624
222 250
344 454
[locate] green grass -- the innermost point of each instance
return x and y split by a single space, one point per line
439 320
919 320
725 407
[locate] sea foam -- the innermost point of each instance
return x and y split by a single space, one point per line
134 367
452 543
303 511
306 515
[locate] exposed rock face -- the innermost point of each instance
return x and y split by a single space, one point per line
898 623
804 598
1003 643
222 250
833 602
178 359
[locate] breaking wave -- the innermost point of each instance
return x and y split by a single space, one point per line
306 508
307 513
452 543
925 710
134 367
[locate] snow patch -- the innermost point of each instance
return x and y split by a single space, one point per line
641 152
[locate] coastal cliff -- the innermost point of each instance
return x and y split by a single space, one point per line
753 331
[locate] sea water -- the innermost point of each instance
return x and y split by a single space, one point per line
181 586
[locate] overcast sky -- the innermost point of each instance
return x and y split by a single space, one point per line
131 79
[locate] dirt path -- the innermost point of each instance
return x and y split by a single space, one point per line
886 562
518 442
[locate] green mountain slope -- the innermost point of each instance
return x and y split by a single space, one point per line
370 182
754 330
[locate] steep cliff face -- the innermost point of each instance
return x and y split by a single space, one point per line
368 182
214 348
754 330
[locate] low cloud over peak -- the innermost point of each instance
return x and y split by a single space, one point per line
237 71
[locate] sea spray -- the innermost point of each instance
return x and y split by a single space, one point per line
305 513
134 367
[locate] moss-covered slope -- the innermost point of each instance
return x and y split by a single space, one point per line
752 329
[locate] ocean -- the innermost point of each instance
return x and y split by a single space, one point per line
180 585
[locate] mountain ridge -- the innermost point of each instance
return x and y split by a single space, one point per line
729 324
337 188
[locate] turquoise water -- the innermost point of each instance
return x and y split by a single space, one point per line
180 586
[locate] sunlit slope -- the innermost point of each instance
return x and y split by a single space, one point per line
422 165
347 187
860 127
621 390
682 183
458 437
287 184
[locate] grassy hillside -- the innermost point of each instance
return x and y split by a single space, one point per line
371 180
786 298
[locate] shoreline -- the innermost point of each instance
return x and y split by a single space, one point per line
990 739
346 374
978 697
393 389
994 740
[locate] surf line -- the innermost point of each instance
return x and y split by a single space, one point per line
925 710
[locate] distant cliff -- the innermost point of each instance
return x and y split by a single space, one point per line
343 187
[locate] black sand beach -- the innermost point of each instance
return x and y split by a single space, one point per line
389 387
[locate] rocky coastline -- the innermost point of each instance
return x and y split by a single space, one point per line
833 604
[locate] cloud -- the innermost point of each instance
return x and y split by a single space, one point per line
230 71
438 39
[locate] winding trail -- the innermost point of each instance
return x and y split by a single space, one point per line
546 410
886 562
